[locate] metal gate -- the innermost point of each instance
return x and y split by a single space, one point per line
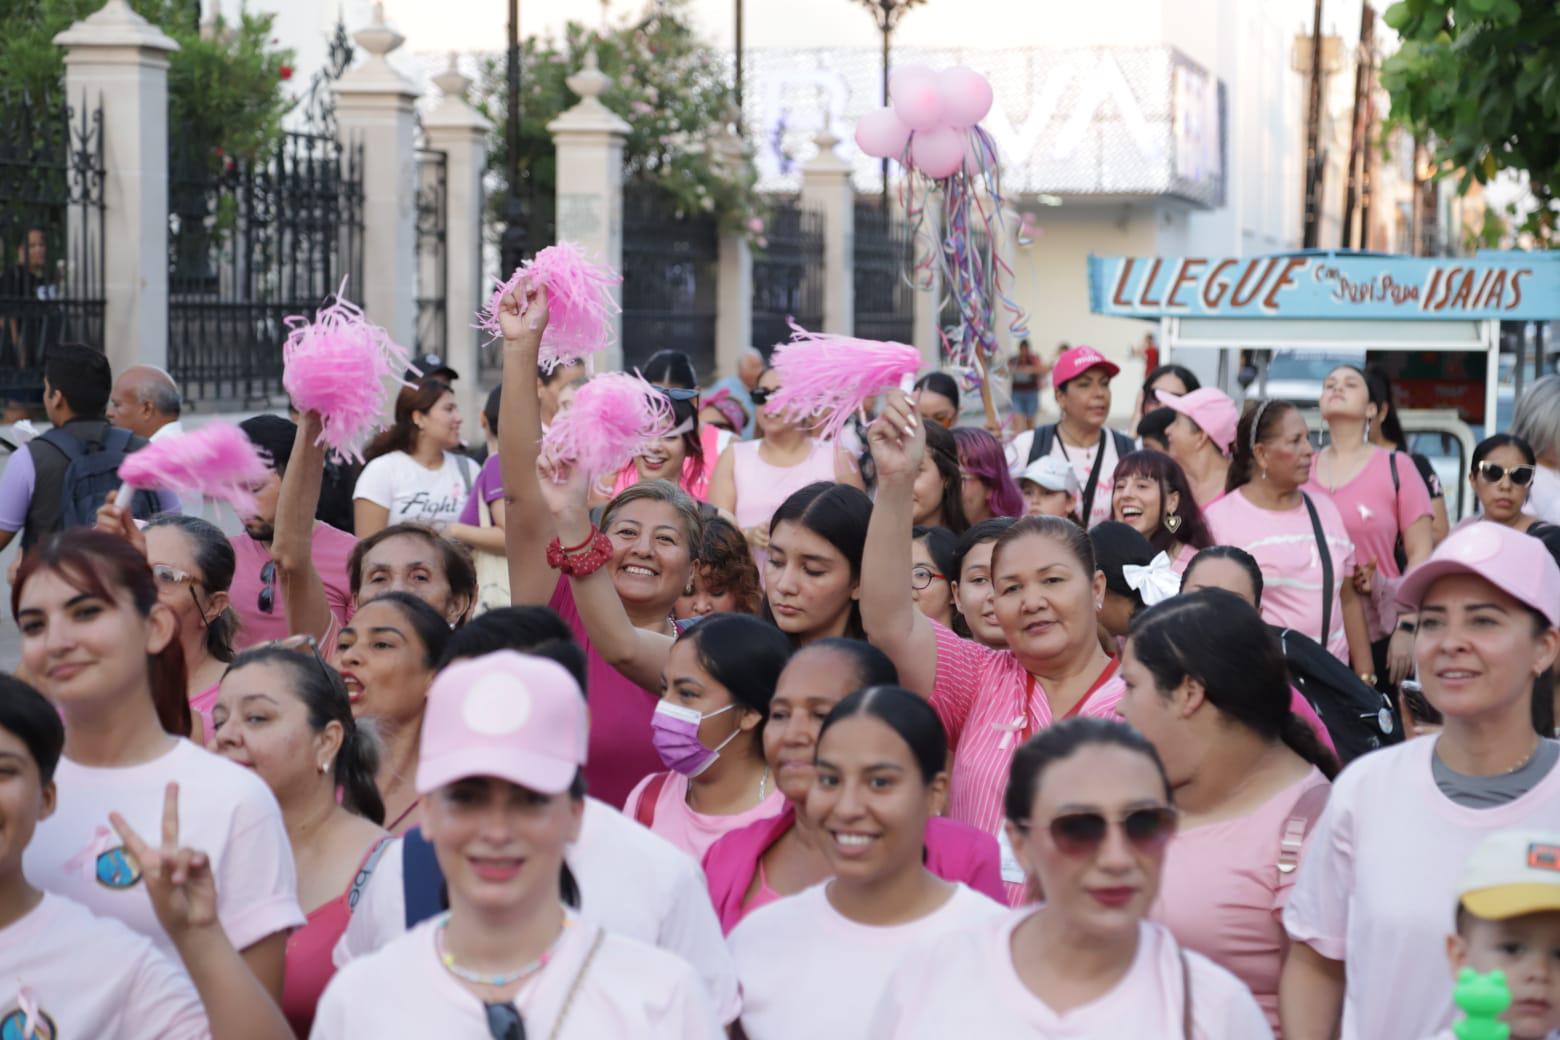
432 264
669 270
788 275
51 235
885 301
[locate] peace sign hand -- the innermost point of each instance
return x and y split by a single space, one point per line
178 880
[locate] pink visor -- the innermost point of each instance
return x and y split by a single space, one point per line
1211 409
1514 562
1078 360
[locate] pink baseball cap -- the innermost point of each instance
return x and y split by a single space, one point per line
1078 360
505 714
1514 562
1211 409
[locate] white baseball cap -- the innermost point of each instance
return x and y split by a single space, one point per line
1512 873
1053 474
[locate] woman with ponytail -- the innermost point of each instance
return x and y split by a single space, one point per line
105 651
285 714
1249 778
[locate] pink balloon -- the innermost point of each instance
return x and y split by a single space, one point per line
881 135
918 98
900 76
937 153
966 96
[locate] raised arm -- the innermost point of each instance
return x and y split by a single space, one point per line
292 539
528 525
888 611
637 653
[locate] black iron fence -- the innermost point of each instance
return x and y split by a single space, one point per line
670 266
885 301
787 274
432 258
51 235
539 224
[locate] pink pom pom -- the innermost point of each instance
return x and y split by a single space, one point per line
614 417
833 376
579 303
345 368
216 461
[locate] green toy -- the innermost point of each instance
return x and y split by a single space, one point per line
1482 998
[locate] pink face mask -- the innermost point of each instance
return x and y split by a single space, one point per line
674 730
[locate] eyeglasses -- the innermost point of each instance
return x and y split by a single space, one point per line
760 395
168 575
921 577
307 644
1082 834
504 1022
268 591
1521 476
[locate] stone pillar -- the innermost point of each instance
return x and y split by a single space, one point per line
589 140
374 109
460 132
118 59
928 320
826 188
734 279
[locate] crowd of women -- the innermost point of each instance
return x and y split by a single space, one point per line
919 733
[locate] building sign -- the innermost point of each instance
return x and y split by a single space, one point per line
1504 286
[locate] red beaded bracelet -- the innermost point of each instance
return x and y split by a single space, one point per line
580 564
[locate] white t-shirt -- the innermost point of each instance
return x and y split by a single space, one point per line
967 986
1082 462
89 976
809 971
629 989
225 811
1544 499
632 882
415 494
1377 886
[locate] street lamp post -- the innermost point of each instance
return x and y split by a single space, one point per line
887 14
512 244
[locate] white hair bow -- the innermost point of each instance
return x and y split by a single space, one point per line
1154 583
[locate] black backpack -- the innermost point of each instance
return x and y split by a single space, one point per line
1358 717
92 474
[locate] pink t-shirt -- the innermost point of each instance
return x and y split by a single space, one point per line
620 752
1373 514
1284 545
989 706
330 549
694 832
833 988
1183 559
201 704
967 986
1378 885
1221 892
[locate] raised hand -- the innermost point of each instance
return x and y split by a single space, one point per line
897 439
522 314
178 880
117 519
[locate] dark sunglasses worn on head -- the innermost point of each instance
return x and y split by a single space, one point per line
1082 833
1492 472
268 590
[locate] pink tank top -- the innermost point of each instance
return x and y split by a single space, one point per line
309 964
761 487
695 477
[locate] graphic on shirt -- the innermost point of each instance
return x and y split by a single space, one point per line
1365 512
117 869
27 1021
1544 857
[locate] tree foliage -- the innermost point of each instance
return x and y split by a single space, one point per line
1480 80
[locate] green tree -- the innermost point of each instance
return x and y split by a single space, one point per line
1480 80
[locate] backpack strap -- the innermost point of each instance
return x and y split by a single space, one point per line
64 443
1325 555
1124 445
1392 465
1040 443
1297 826
422 882
1186 996
644 812
463 464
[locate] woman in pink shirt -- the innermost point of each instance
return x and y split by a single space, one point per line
286 715
1383 501
1374 898
1207 686
1089 816
1048 594
781 856
708 731
1151 495
685 456
1268 514
1201 439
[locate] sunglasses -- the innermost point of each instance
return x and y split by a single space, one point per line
1521 476
1082 833
760 395
504 1022
921 577
268 592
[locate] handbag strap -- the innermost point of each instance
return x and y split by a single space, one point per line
644 812
1297 826
1325 556
365 871
1087 505
574 987
1186 996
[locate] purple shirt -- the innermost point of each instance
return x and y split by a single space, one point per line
18 482
489 487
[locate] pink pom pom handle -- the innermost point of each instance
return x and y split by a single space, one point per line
833 376
345 368
579 303
216 461
614 417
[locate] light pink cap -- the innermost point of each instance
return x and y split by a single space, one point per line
1078 360
1211 409
518 718
1514 562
